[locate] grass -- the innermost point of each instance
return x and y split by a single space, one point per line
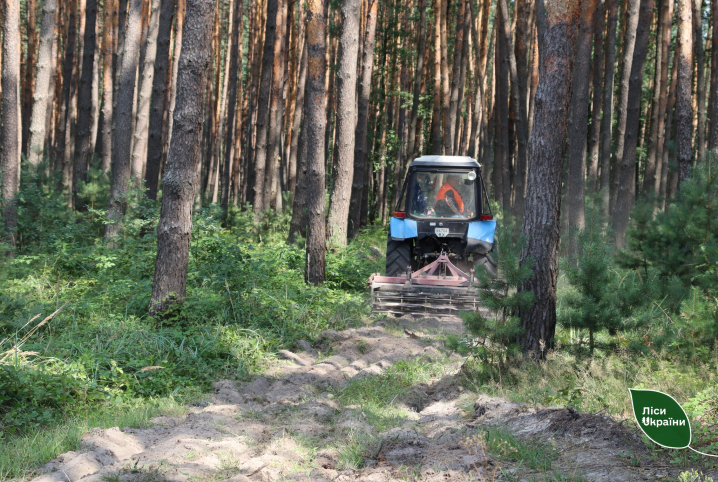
21 455
378 396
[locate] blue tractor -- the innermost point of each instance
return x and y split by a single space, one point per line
441 232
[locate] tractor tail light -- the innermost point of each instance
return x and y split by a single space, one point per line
399 214
485 217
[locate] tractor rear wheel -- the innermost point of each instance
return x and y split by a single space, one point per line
398 257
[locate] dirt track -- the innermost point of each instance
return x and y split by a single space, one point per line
288 425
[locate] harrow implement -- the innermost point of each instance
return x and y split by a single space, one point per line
440 288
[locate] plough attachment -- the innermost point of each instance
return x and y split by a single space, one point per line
439 288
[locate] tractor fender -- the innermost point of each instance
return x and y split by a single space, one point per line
480 236
401 229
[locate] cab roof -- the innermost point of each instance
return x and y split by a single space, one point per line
445 161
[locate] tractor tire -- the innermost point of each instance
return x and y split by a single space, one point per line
398 257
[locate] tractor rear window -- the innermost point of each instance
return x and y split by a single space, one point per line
443 194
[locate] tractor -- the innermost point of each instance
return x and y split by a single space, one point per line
441 232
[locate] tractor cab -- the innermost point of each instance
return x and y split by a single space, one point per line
442 231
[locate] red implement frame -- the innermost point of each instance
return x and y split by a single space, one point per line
426 276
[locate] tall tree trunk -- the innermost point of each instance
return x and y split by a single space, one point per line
446 129
43 85
667 169
300 216
454 107
713 107
177 51
418 75
28 79
180 181
629 44
651 181
436 93
346 119
297 120
607 119
265 87
557 36
502 163
700 99
159 101
478 124
684 52
142 118
361 167
519 111
315 123
598 71
83 141
68 71
123 122
275 111
9 118
578 123
235 90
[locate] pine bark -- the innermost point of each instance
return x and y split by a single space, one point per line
275 112
265 87
346 119
578 123
502 159
713 107
700 98
361 167
315 124
556 32
43 86
83 140
122 141
160 100
235 91
626 194
28 77
446 129
144 95
684 126
180 181
454 107
297 120
651 177
607 118
68 75
436 146
597 85
418 76
9 119
628 46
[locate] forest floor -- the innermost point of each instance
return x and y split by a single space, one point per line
386 401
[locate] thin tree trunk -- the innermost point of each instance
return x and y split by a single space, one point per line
446 129
684 52
436 112
346 119
454 107
43 85
502 164
68 72
300 216
235 91
607 119
123 122
651 177
159 101
177 51
180 181
578 124
28 79
361 167
265 87
140 146
667 169
547 149
83 141
297 120
713 107
275 111
598 71
315 124
700 78
418 75
9 119
629 43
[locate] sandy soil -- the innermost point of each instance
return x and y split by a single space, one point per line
288 425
